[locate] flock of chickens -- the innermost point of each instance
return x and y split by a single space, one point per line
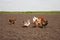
41 21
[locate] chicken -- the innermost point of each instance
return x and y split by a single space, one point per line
34 19
44 21
26 23
37 22
12 20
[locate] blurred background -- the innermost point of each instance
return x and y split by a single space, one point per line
29 5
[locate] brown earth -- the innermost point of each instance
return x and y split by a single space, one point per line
17 32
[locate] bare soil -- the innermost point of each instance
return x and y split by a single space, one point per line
18 32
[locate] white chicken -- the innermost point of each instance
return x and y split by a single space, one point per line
34 19
27 23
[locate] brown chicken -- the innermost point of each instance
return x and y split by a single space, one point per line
12 20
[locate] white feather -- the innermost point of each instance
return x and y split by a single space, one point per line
27 23
34 19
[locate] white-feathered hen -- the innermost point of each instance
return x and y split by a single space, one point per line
34 19
26 23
